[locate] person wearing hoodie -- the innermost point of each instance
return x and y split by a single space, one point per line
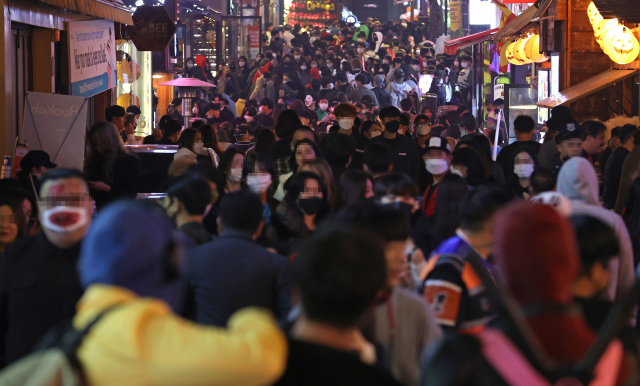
141 340
539 261
578 182
192 70
202 62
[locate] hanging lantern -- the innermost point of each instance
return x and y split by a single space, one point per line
519 51
624 48
510 55
603 26
606 41
592 11
597 18
532 50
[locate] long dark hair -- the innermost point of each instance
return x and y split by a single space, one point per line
353 186
264 141
226 159
470 158
210 139
295 185
451 191
104 147
187 139
287 122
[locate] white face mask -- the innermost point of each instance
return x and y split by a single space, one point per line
189 65
241 64
385 62
323 106
236 174
346 123
330 86
260 109
303 67
423 129
64 219
314 65
297 57
455 171
360 50
375 134
197 147
437 166
523 171
259 182
465 64
329 65
248 118
416 67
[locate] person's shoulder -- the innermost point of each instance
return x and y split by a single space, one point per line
21 248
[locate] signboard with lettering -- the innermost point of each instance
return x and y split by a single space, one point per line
314 12
56 124
254 40
152 28
92 57
455 15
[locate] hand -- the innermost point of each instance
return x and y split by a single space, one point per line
157 134
99 185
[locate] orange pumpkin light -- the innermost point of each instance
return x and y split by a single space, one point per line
603 26
532 50
511 55
624 47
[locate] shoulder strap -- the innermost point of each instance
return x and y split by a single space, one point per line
73 338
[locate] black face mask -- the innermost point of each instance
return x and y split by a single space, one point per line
310 205
392 129
287 64
404 207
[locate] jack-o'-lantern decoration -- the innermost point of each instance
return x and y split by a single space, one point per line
532 50
624 47
597 18
607 38
592 12
519 51
511 57
603 26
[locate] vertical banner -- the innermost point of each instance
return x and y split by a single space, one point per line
543 93
56 124
92 57
455 15
254 40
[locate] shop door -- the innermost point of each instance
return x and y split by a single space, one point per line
21 78
240 36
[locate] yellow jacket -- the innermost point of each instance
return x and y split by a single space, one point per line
143 343
240 103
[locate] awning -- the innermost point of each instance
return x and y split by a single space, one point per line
453 45
106 9
586 88
523 21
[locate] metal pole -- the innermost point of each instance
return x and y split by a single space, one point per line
446 16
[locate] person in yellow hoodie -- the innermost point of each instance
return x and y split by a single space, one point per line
130 259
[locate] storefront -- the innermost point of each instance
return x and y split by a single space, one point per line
134 84
316 13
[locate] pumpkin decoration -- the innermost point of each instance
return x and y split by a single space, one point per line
597 18
592 11
532 50
607 38
603 26
624 47
519 51
510 55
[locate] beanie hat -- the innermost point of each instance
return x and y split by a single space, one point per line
315 73
127 246
537 253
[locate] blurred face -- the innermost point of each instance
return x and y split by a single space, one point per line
436 154
311 189
300 135
304 152
238 161
594 145
119 122
27 208
305 121
8 226
462 169
65 212
615 142
368 193
570 147
523 159
395 256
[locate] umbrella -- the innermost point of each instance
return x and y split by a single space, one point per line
187 82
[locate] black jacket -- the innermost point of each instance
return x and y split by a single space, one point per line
124 179
404 155
383 96
39 288
196 232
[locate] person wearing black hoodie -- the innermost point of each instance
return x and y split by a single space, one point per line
192 70
403 150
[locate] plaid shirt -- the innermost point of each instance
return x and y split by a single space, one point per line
281 167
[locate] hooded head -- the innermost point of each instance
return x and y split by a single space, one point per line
578 181
201 60
133 245
538 257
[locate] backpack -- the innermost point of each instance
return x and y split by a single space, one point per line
55 362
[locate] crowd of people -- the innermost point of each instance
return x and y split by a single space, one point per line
332 235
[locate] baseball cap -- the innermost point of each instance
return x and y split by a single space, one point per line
438 143
398 73
241 130
36 159
569 131
379 80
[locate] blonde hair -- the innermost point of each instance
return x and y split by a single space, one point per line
322 169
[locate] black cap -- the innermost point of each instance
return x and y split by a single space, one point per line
570 131
36 159
398 73
438 143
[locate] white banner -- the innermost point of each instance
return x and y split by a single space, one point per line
57 125
92 57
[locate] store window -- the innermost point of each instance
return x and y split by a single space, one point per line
134 81
21 73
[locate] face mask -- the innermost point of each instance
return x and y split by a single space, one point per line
361 40
189 65
394 130
259 182
323 106
287 63
465 65
236 174
314 65
385 62
297 57
523 171
346 123
260 109
197 147
375 134
330 86
360 50
437 166
303 67
416 67
248 118
64 219
423 129
329 65
455 171
310 205
241 64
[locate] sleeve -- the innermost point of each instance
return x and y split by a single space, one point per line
251 351
443 290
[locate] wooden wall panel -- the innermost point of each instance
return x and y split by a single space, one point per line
593 106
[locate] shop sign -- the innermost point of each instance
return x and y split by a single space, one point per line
555 74
543 93
92 57
254 39
455 15
56 124
498 91
152 28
